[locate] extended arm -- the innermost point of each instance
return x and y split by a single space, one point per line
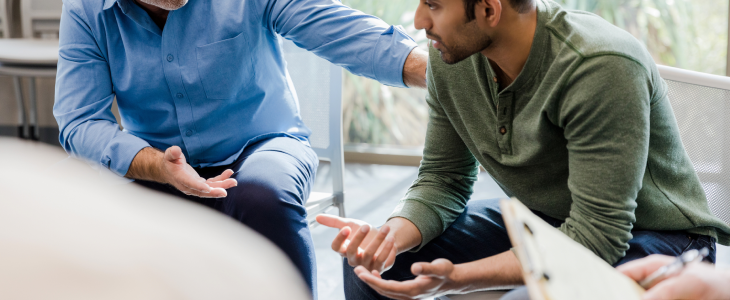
363 44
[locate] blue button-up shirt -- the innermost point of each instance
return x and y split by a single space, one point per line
211 82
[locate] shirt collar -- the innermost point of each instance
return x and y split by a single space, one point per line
122 4
108 4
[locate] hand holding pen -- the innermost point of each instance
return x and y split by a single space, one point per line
689 281
674 267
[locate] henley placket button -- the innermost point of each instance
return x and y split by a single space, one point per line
495 78
170 57
503 130
188 133
180 95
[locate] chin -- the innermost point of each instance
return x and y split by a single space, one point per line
448 59
454 57
167 4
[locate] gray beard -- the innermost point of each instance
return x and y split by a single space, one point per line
166 4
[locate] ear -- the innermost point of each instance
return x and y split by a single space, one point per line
488 12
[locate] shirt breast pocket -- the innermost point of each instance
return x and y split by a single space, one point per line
225 67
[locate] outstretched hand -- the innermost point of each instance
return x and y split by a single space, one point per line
371 248
432 279
178 173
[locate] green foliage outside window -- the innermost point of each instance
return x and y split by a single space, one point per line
689 34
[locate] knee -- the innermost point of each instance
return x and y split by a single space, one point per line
265 199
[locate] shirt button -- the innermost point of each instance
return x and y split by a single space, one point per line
188 133
180 95
170 57
495 78
503 130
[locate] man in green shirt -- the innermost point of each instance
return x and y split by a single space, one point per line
567 113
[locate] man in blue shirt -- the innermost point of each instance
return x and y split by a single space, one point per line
206 83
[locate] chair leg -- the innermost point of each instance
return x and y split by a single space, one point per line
34 130
341 207
22 123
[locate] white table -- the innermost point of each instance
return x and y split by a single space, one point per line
28 58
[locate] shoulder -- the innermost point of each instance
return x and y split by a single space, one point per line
591 36
88 10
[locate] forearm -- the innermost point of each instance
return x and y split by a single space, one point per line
146 165
414 70
405 234
495 271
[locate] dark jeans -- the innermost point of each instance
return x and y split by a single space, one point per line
479 232
274 178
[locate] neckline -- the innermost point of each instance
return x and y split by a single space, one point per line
534 59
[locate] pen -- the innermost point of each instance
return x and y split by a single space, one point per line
674 267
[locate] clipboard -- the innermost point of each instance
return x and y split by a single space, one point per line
555 267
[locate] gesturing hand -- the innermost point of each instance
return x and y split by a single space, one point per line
433 279
178 173
363 245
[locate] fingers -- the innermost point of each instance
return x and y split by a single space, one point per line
174 154
359 270
338 244
391 259
641 268
223 180
372 248
192 182
223 176
332 221
225 184
386 257
672 288
214 192
394 289
440 267
217 193
352 248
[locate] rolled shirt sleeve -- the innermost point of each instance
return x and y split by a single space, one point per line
360 43
84 96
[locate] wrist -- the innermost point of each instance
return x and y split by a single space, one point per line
461 278
158 168
405 234
148 165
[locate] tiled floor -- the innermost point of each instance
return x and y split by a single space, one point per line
371 193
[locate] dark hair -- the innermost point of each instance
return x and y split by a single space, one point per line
521 6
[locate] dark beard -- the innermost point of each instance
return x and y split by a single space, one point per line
458 53
166 4
472 41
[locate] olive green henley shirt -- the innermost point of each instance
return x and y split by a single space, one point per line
584 134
